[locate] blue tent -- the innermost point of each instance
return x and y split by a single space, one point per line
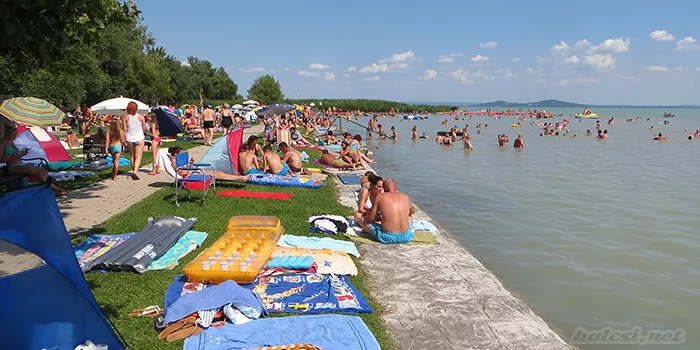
168 124
51 306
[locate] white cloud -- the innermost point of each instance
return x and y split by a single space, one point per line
318 66
583 44
346 75
517 59
374 78
661 35
185 63
678 68
611 46
657 68
446 59
488 45
480 75
600 61
687 44
374 68
573 59
560 49
399 57
329 76
352 69
506 73
461 75
248 70
480 59
305 73
287 69
532 71
429 74
539 59
399 66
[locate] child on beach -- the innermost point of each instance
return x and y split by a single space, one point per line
115 140
156 141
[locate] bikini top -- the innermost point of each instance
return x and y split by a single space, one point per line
11 150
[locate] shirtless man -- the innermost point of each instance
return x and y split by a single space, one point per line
414 132
272 163
518 143
395 209
247 161
372 125
292 157
208 117
328 159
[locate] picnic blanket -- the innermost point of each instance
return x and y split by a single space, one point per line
97 245
330 332
419 237
318 243
261 195
309 294
327 260
187 243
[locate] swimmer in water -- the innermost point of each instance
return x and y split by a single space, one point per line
600 135
597 124
588 132
575 135
660 137
468 143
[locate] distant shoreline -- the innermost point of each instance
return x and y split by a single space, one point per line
539 104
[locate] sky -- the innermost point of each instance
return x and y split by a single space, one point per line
634 52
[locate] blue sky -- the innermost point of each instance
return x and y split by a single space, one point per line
597 52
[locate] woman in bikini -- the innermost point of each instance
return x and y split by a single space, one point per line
156 141
135 130
12 157
368 195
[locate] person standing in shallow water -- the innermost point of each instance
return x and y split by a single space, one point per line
394 135
414 131
518 143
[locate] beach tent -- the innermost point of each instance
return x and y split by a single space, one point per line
40 143
224 154
168 124
50 306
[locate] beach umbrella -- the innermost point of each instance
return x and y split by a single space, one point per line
168 124
237 106
251 102
118 106
277 108
312 104
31 111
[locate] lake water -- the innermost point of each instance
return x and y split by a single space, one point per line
589 233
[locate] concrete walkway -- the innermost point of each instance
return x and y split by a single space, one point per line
85 208
438 296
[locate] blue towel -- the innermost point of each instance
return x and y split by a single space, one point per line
424 225
290 262
212 297
318 243
329 332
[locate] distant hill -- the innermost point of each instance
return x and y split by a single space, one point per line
544 103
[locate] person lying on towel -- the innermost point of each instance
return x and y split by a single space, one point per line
396 211
292 158
166 157
330 160
272 163
247 161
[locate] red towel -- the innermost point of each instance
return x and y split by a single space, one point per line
263 195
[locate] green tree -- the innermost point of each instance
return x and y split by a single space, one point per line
266 90
222 87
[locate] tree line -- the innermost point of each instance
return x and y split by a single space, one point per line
379 106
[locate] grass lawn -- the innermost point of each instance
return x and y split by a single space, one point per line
120 292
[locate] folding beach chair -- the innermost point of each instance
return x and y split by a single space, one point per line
197 175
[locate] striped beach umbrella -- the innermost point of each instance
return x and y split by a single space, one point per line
31 111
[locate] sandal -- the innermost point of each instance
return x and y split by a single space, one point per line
181 329
135 177
148 311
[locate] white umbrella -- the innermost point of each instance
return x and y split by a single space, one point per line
118 106
312 104
237 106
251 102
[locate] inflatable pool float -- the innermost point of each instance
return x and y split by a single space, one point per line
285 181
515 126
586 116
412 117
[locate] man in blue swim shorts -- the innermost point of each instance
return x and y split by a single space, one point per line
247 161
395 209
272 163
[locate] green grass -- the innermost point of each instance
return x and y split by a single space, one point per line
146 158
120 292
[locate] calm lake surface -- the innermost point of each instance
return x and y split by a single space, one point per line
589 233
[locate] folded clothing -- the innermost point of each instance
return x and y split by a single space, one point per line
329 224
329 332
327 261
318 243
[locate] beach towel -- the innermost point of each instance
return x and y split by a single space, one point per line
96 245
316 161
63 165
69 175
424 225
309 294
419 237
260 195
184 245
318 243
327 261
330 332
211 297
350 179
122 161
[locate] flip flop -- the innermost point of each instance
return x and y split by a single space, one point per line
181 327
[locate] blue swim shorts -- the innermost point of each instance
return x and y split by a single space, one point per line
284 171
390 237
253 171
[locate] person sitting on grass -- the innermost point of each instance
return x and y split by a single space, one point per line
247 161
297 138
167 158
330 160
272 163
12 157
292 158
396 210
